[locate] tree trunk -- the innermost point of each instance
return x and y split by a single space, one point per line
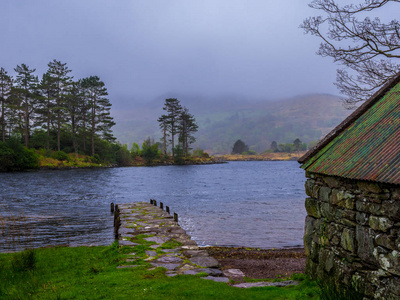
73 133
3 120
165 140
26 118
93 124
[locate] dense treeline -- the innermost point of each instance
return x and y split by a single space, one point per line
55 112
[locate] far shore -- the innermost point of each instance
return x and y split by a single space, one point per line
276 156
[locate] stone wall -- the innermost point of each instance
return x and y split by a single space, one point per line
352 234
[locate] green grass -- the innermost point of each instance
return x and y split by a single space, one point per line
91 273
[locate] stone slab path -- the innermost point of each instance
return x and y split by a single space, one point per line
168 245
172 248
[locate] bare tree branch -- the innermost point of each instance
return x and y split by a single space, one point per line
366 48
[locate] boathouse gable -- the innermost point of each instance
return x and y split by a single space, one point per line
352 230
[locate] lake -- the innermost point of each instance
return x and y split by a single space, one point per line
252 204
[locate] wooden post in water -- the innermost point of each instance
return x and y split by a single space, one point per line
155 202
161 205
112 207
176 217
167 209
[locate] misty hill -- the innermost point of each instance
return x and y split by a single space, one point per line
224 120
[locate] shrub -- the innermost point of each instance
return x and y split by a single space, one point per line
60 155
7 157
24 158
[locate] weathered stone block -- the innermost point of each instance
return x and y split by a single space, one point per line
309 230
390 262
369 187
312 208
395 193
385 240
362 218
393 285
391 209
326 260
309 187
327 211
343 199
311 268
315 191
380 223
325 194
369 207
348 240
332 182
365 244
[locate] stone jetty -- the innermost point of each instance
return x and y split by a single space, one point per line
167 244
157 240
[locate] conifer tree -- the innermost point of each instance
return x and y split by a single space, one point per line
25 98
164 128
173 109
99 109
5 90
62 83
187 126
46 104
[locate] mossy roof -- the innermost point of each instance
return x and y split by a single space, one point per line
366 146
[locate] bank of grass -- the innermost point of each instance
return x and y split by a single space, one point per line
91 273
62 160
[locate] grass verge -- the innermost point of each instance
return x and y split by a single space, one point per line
91 273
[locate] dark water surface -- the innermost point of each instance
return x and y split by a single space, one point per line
253 204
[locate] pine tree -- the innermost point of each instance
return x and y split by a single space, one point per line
46 105
75 108
99 109
173 109
25 98
187 126
164 128
5 90
58 73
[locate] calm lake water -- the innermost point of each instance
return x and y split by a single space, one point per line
253 204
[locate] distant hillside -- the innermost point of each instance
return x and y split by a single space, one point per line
224 120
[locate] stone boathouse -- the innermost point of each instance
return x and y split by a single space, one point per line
352 231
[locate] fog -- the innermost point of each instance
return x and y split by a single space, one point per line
143 49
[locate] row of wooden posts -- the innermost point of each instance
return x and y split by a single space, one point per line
154 202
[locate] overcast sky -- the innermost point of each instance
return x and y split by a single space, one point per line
147 48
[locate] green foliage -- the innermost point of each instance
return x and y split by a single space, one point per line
123 156
274 146
60 155
198 152
96 158
16 157
135 150
178 157
252 152
149 151
40 139
7 158
239 147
